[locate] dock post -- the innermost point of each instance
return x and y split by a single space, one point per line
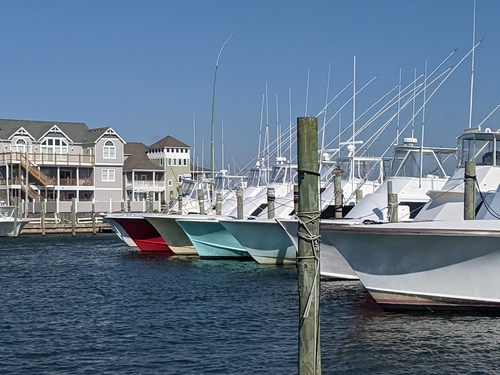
296 198
201 201
337 188
308 259
239 203
179 200
359 196
73 217
94 231
16 214
218 203
271 197
470 190
44 212
392 204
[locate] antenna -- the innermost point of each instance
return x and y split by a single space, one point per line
222 144
260 128
290 129
324 113
423 129
414 97
307 91
194 138
472 68
399 107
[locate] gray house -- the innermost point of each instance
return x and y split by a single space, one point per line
59 161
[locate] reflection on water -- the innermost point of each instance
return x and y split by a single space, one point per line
90 305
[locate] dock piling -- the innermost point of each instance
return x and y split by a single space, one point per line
470 190
308 259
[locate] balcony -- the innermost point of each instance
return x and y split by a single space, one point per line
144 185
49 159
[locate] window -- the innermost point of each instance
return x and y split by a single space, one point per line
175 161
19 146
179 178
169 161
54 146
185 162
169 182
161 162
109 150
108 175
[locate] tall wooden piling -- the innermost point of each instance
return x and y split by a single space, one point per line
359 195
296 198
470 190
308 246
392 204
337 188
94 230
179 200
73 217
42 220
218 203
201 201
239 203
16 214
271 197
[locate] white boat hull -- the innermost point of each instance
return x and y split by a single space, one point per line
431 265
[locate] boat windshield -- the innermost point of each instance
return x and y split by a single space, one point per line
370 169
256 178
483 147
284 173
409 161
229 182
6 212
188 188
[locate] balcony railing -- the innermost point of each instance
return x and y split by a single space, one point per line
49 159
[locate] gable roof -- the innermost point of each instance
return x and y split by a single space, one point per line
138 158
168 141
77 132
74 130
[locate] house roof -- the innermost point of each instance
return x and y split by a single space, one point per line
168 141
138 159
78 132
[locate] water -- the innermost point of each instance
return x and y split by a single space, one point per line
88 305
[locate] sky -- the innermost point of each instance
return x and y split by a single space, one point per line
146 68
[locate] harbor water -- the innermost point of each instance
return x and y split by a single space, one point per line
90 305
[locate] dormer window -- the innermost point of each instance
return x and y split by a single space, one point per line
109 150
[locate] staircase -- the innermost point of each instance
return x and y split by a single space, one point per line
32 193
34 171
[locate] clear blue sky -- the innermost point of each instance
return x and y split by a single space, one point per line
145 67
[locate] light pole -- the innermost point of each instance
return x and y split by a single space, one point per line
6 171
212 156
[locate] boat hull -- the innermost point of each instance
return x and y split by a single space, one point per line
212 240
433 266
172 234
332 264
144 235
264 240
9 228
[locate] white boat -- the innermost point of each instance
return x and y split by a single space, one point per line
437 264
170 231
11 224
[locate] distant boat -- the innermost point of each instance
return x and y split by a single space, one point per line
133 229
11 224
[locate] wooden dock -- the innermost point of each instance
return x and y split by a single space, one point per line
64 226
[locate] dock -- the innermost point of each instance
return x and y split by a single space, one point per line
58 226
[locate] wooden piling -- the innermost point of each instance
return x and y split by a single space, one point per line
271 197
337 188
308 246
470 190
218 203
73 217
201 201
296 198
179 200
94 230
239 203
16 214
359 196
44 211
